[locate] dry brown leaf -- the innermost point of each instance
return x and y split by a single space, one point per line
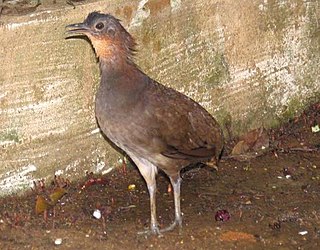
240 148
236 236
41 204
252 144
256 139
57 194
252 136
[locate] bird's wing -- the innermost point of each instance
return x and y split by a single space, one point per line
186 130
198 154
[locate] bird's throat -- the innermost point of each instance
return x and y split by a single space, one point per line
121 79
102 47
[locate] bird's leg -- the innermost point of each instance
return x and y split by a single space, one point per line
149 171
152 187
176 183
154 227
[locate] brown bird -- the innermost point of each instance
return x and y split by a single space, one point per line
156 126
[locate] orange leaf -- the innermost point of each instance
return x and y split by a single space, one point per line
57 194
41 204
236 236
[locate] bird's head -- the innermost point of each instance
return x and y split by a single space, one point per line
108 37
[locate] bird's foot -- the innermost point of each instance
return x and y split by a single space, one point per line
172 226
154 230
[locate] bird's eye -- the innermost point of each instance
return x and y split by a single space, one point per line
99 26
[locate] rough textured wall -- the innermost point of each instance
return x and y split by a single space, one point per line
251 63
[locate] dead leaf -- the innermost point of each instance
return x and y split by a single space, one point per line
236 236
263 142
57 195
41 204
252 144
240 148
252 136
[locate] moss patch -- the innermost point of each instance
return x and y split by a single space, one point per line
10 135
220 72
294 107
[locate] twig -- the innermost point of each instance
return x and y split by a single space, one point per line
298 149
71 3
251 155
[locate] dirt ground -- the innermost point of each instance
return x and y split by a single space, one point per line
273 202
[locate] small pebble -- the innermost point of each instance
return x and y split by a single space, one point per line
97 214
58 241
303 232
315 129
131 187
58 172
107 171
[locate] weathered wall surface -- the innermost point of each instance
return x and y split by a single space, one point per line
252 62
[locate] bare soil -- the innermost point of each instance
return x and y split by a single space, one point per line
273 201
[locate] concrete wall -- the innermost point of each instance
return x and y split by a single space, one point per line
249 62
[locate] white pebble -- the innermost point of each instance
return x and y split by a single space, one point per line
58 172
315 129
303 232
97 214
58 241
107 171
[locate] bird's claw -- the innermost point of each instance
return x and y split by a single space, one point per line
172 226
154 230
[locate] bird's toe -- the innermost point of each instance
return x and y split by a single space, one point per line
173 226
153 230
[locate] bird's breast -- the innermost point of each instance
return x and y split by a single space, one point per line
117 114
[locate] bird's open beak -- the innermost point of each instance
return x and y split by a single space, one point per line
77 28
